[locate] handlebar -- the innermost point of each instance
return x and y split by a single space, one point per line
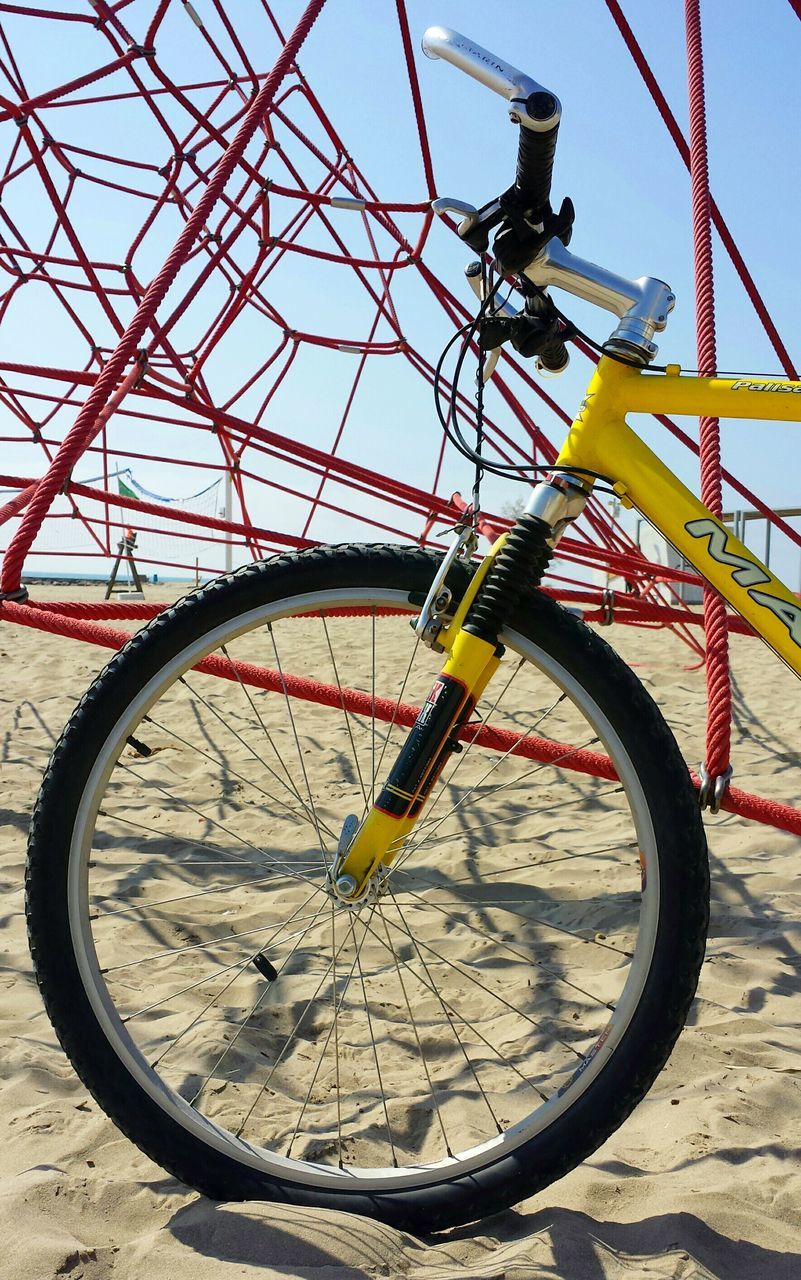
537 110
532 240
535 154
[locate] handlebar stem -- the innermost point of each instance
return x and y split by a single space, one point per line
643 305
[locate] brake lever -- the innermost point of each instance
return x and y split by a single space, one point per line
474 279
467 212
476 224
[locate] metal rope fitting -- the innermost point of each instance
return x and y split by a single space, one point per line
608 606
712 790
14 597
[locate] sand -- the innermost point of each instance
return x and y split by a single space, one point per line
703 1180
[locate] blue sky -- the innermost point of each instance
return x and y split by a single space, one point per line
615 160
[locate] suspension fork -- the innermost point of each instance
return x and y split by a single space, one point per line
514 566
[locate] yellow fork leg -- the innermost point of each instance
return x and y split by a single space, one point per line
470 666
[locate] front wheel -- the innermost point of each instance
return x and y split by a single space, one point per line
474 1028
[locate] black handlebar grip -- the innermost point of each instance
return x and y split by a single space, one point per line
535 153
554 356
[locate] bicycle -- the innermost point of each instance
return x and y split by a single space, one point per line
322 932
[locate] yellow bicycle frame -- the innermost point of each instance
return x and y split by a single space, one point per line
600 441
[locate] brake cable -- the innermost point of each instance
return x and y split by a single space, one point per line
479 473
450 421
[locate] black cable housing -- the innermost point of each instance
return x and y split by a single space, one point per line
450 424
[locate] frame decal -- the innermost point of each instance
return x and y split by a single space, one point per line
601 440
747 573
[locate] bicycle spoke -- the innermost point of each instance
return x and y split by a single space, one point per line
462 832
424 904
192 986
156 1061
398 702
457 1037
416 1033
302 814
199 946
239 1029
474 1029
205 817
289 784
465 972
580 937
427 821
336 1005
517 866
284 964
301 761
366 1004
302 934
335 1024
288 1041
345 714
495 791
311 816
183 897
173 837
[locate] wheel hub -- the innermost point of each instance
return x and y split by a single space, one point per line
343 889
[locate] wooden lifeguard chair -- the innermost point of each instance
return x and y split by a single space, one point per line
125 554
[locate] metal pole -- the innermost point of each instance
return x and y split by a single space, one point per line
229 548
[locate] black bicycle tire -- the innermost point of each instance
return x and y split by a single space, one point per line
668 991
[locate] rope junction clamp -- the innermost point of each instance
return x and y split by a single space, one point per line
608 606
16 597
712 790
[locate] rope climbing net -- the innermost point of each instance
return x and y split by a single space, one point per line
197 250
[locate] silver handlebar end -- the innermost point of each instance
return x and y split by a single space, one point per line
500 76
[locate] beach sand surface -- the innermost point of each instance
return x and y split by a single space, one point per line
703 1180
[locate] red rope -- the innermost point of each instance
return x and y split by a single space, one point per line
718 731
661 103
20 502
529 747
595 602
90 419
143 507
177 391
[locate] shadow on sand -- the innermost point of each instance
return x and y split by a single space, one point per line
583 1248
549 1244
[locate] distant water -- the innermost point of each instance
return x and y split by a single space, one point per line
45 575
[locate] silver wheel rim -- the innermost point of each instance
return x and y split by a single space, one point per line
245 1150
